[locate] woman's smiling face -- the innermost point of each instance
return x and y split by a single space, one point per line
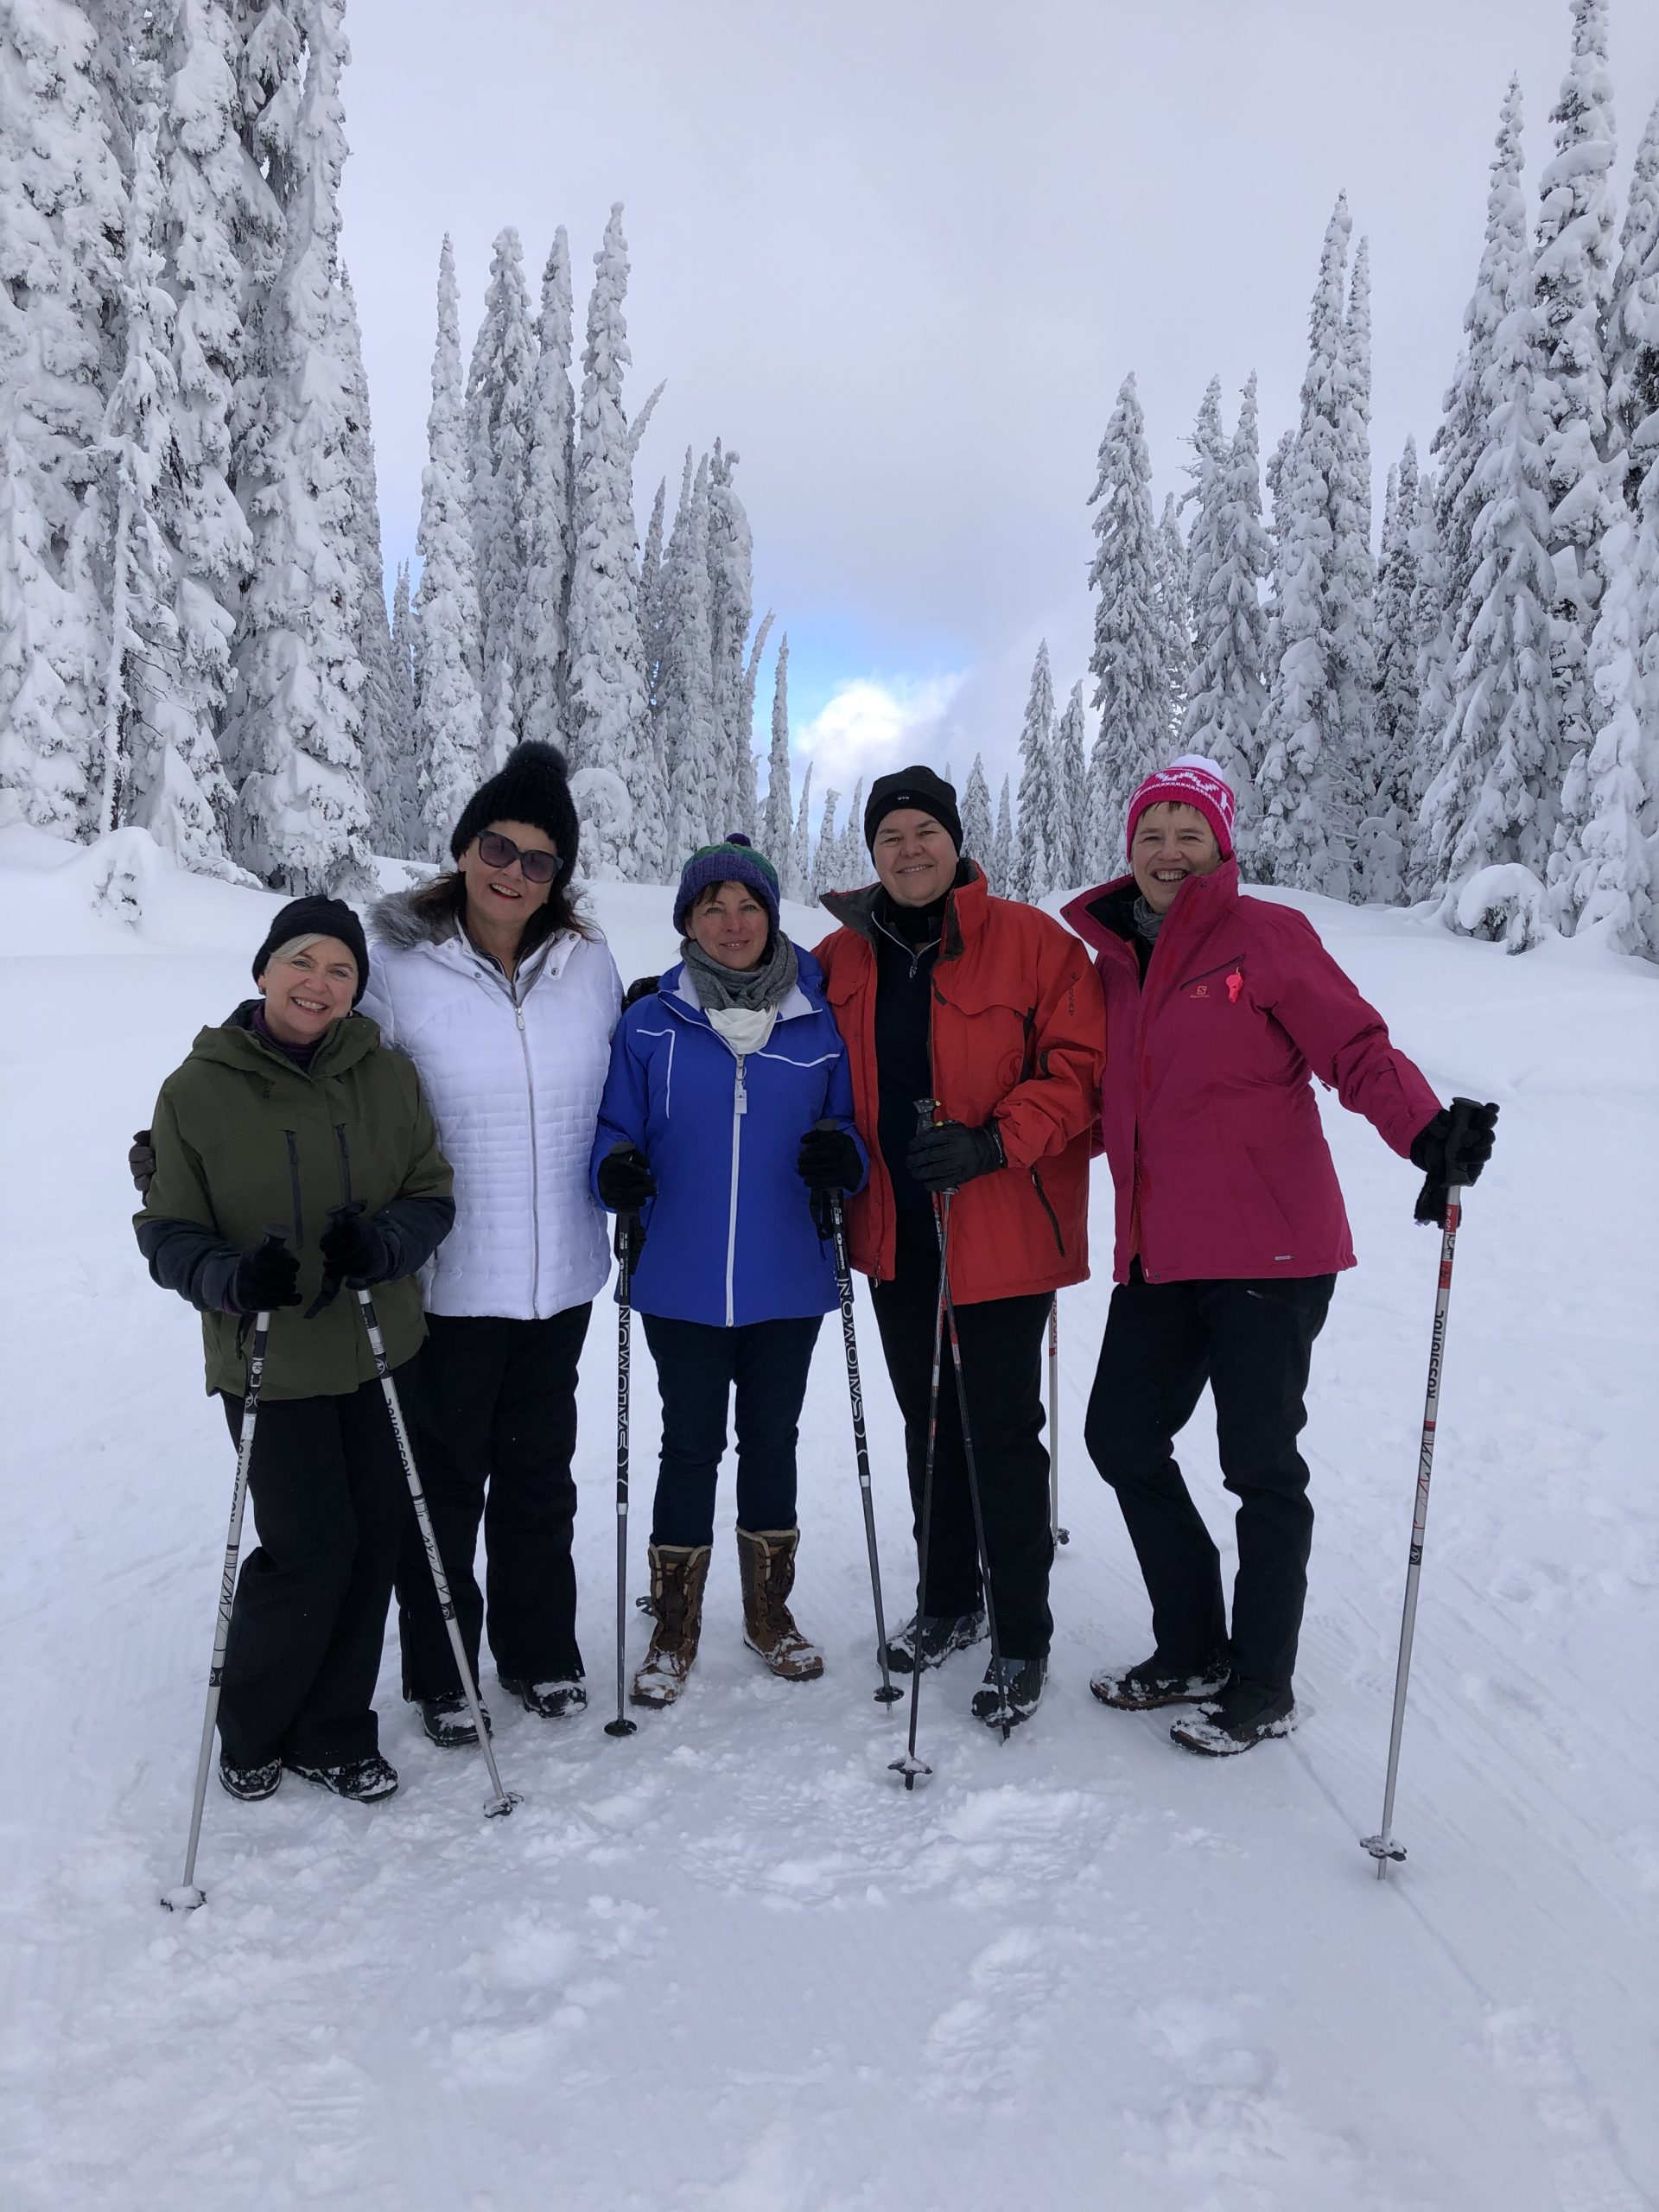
306 991
1171 842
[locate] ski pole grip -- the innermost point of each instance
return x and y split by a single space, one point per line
926 1109
276 1235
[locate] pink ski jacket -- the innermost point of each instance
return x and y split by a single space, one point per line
1220 1164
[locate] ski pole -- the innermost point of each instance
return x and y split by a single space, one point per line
942 1210
626 1224
909 1766
889 1690
187 1896
1383 1847
504 1801
1060 1535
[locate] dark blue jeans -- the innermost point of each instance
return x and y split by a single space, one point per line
697 1367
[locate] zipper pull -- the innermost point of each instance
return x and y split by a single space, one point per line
742 1100
519 1013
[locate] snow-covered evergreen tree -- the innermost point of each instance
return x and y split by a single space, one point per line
1633 324
1174 603
1487 815
1353 588
1035 836
800 845
1304 773
779 827
296 707
1071 857
448 712
385 769
549 470
405 832
1127 664
731 550
1000 866
650 596
852 859
501 394
608 713
826 854
977 815
692 734
1229 692
1381 855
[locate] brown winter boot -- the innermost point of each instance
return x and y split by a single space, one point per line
766 1560
678 1574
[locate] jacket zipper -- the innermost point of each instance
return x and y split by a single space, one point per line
535 1167
294 1185
1053 1222
345 1162
739 1107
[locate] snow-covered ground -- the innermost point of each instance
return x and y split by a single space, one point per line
728 1963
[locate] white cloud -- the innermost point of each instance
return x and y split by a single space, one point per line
873 724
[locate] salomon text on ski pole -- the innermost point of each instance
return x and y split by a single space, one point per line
187 1896
627 1228
889 1690
504 1801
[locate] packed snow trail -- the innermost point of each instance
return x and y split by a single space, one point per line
728 1962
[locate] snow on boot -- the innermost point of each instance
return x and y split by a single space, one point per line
1153 1682
363 1780
937 1635
250 1783
765 1559
678 1574
1013 1691
1239 1718
550 1700
448 1722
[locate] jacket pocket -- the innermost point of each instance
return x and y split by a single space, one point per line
1053 1218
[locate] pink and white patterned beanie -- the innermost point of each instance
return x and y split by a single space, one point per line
1189 780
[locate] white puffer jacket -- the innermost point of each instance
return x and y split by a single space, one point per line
513 1074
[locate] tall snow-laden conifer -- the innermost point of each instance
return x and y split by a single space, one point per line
406 834
1000 869
780 814
1304 824
731 548
692 734
1071 856
448 713
296 707
800 845
651 597
1127 664
1173 601
608 713
1385 824
1487 813
1035 837
852 861
550 462
977 815
826 854
1633 324
386 768
1227 694
500 401
1352 599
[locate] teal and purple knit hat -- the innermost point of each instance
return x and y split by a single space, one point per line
733 860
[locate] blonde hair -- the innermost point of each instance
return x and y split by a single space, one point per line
296 946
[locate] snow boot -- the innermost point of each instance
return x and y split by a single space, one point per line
250 1783
363 1780
550 1700
1013 1691
1242 1717
1153 1682
765 1559
448 1722
936 1635
678 1573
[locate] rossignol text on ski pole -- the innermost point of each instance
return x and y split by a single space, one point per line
627 1226
504 1801
1060 1535
187 1896
1381 1845
889 1690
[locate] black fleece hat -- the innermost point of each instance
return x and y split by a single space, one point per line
916 787
532 785
317 917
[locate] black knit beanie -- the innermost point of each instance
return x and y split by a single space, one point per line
916 787
317 917
532 785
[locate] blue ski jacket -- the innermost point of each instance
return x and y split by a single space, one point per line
729 1236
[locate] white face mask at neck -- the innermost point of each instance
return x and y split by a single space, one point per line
746 1029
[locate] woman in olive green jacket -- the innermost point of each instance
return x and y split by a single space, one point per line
294 1112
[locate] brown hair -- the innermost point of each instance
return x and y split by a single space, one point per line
445 899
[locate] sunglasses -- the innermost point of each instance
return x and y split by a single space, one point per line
497 851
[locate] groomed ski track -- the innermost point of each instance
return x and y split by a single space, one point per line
728 1963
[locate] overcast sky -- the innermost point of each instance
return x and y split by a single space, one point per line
900 255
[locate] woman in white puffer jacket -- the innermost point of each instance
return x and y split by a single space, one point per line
505 999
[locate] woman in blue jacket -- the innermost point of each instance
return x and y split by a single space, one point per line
727 1110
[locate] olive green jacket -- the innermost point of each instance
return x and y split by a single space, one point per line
245 1140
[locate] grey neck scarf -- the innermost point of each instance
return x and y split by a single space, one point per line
752 989
1147 922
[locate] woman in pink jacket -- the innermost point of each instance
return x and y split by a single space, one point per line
1231 1236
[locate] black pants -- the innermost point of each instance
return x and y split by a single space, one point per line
496 1434
697 1367
1002 1341
330 1500
1253 1342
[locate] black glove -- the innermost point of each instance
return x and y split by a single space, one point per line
642 987
1451 1149
950 1154
141 1161
356 1250
266 1277
828 1161
625 1180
